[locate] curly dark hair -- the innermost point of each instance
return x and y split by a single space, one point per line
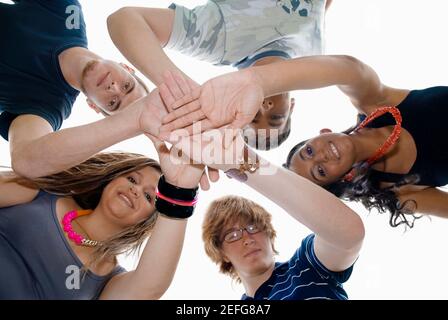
365 188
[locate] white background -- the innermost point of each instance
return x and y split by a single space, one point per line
403 41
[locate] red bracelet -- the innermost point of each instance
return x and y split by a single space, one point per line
177 202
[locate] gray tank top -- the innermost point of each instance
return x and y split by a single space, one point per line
36 260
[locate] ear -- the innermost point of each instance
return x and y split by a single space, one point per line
128 68
325 130
93 106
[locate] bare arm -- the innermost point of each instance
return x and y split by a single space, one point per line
156 267
160 257
356 79
139 34
339 230
431 201
37 151
234 98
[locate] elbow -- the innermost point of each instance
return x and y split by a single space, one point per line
22 166
350 60
115 19
356 234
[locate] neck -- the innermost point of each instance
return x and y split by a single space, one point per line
367 142
268 60
72 62
253 282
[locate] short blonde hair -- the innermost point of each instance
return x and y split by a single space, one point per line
224 212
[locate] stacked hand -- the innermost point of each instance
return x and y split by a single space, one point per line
177 169
209 148
232 99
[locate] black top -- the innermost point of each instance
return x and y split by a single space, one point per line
32 35
424 114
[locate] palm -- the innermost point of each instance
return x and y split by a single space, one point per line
232 99
228 98
153 112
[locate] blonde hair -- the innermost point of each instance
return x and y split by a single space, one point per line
86 182
226 211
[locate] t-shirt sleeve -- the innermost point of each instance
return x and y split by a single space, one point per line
55 119
306 253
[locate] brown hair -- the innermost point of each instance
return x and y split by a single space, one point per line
223 212
86 182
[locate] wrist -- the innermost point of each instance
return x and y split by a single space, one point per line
175 202
257 78
248 164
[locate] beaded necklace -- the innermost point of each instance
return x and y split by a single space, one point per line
74 236
381 151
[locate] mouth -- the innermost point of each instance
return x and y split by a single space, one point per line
334 150
102 79
126 200
253 252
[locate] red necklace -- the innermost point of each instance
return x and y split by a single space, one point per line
390 141
74 236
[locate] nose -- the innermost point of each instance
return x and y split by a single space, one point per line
267 105
321 156
113 86
247 238
134 191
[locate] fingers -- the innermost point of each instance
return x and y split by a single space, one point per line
204 183
213 174
175 85
192 120
176 90
188 108
167 96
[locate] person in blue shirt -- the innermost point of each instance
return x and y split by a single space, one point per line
44 64
239 237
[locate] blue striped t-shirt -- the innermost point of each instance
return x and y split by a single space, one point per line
303 277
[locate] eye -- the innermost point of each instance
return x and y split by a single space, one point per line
126 86
231 235
321 171
148 197
112 102
252 228
309 150
132 180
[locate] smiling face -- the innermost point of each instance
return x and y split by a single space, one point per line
324 159
250 255
109 86
129 198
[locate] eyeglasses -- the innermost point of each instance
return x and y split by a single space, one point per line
236 235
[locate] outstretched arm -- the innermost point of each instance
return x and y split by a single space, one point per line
223 99
160 257
38 151
140 34
339 230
